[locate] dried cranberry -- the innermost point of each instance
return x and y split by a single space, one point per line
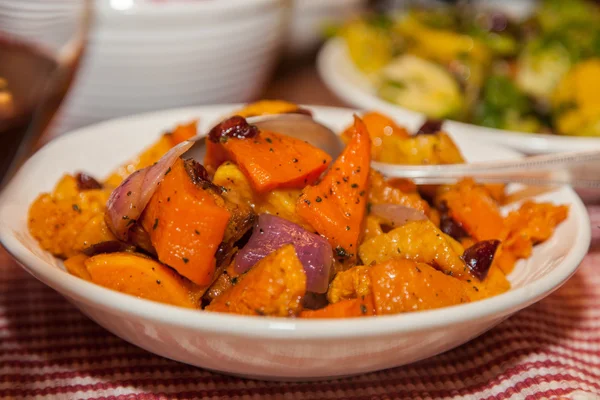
233 127
431 126
449 225
480 256
86 182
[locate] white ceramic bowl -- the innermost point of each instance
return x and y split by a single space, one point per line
310 17
144 55
270 348
349 84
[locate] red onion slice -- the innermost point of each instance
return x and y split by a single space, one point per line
396 215
127 202
271 232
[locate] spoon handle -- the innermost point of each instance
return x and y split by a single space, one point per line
580 170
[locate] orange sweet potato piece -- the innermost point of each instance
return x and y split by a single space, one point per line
152 154
186 224
93 232
475 211
352 283
336 207
76 266
494 284
403 285
184 132
273 287
378 126
359 307
270 160
395 191
143 277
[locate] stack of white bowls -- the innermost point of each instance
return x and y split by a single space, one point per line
145 55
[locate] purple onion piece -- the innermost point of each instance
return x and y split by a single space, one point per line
271 232
480 256
395 215
127 202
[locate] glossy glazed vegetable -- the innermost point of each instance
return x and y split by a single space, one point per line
127 202
404 285
420 241
475 211
186 220
336 206
274 287
271 232
142 277
269 160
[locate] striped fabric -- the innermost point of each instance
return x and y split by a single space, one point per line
551 350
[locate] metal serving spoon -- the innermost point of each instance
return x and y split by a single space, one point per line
579 169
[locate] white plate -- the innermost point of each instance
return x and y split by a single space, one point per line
348 83
269 347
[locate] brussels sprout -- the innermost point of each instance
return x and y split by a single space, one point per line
540 67
422 86
504 106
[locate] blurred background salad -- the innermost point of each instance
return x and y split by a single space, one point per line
536 69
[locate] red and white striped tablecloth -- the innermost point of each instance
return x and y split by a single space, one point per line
551 350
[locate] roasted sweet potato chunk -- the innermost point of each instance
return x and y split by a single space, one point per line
143 277
403 285
186 223
273 287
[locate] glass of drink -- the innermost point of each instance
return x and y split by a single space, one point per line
41 44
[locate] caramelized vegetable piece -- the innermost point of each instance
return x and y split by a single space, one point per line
224 281
360 307
471 206
420 241
279 202
153 153
93 232
336 206
403 285
187 223
350 284
378 126
372 227
395 191
270 160
76 266
533 223
494 284
58 219
273 287
142 277
433 149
